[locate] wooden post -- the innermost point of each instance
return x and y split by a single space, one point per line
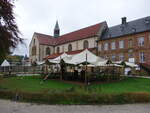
86 71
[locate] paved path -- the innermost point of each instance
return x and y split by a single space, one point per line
7 106
141 76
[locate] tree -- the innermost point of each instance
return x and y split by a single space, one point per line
9 33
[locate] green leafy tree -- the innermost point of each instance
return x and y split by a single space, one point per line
9 33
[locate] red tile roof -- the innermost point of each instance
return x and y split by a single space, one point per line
69 37
45 39
69 53
53 55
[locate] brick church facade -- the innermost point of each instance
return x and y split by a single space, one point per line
129 41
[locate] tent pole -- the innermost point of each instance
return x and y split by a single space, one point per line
86 71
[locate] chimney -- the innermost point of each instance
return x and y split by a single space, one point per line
124 20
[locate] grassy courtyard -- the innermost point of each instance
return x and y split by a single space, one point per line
35 84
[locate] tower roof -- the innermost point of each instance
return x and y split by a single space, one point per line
57 26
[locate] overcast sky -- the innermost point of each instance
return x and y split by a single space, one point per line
41 15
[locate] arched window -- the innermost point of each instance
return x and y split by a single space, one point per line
48 51
34 42
69 47
85 44
58 49
34 50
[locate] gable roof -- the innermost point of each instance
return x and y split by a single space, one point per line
44 39
132 27
69 37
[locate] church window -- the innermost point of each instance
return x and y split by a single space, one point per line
85 44
48 51
34 50
34 42
58 49
69 47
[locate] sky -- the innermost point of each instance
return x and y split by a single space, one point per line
41 15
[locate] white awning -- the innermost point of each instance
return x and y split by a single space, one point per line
126 63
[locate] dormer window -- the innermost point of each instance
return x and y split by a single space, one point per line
133 30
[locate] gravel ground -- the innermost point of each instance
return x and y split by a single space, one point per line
7 106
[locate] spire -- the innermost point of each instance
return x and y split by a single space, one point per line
56 30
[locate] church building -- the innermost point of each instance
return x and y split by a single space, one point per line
46 46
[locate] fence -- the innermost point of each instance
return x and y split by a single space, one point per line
22 69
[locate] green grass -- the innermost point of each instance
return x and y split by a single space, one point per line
127 85
34 84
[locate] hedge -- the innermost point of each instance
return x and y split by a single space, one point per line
76 97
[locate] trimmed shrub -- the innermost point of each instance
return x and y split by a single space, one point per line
76 97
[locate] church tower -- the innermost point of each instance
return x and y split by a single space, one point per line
56 30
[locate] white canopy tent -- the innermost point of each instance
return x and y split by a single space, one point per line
40 63
84 56
5 63
127 63
59 58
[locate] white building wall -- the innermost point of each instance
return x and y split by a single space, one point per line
77 45
41 49
34 57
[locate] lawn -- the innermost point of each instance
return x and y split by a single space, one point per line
34 84
127 85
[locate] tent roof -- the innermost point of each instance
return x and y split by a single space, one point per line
79 58
5 63
82 57
126 63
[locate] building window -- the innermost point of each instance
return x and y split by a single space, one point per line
113 58
121 44
33 50
63 48
34 42
48 51
106 46
113 45
130 53
142 57
100 47
69 47
58 49
85 44
141 41
130 43
121 57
